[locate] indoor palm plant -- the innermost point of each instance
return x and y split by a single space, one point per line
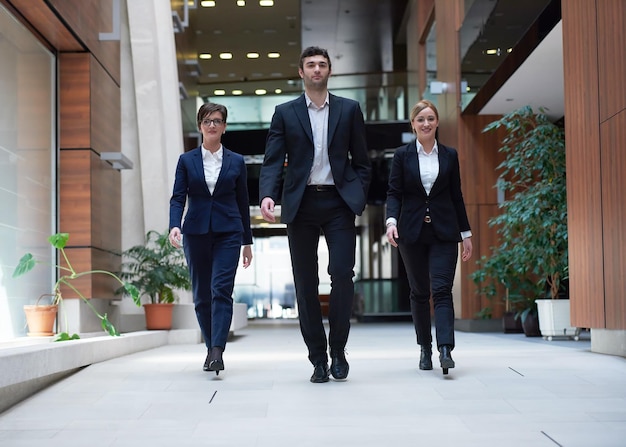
532 256
156 269
66 276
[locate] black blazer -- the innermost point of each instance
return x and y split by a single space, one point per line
407 200
290 136
226 210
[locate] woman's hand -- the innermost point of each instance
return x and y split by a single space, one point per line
247 256
392 235
175 237
467 249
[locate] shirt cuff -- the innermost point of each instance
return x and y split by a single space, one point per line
466 234
391 221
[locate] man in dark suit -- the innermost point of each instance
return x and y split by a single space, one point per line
317 142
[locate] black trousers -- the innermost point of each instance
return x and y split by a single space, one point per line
430 265
323 212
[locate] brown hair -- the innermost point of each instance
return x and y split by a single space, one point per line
314 51
209 107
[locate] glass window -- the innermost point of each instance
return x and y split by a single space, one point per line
27 168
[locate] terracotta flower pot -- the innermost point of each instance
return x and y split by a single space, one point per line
40 319
158 316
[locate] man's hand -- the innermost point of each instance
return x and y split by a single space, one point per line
267 210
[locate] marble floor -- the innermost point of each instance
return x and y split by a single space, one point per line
507 390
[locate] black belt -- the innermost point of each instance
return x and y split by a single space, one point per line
320 188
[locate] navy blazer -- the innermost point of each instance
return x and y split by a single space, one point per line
226 210
290 140
407 200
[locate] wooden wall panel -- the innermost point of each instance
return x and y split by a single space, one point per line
611 57
87 19
105 110
75 196
106 207
45 23
92 286
75 100
479 158
613 136
583 154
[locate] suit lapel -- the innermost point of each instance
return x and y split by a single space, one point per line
414 164
226 159
444 163
334 113
303 116
198 167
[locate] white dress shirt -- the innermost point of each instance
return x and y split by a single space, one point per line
429 170
320 170
212 164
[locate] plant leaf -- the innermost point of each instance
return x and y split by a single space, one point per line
108 327
25 265
59 240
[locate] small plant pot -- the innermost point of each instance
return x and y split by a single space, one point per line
159 316
40 319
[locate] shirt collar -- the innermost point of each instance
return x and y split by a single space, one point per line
309 102
217 155
420 148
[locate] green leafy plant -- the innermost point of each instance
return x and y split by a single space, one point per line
66 276
531 259
156 268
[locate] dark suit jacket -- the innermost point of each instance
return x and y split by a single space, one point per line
290 135
407 200
226 210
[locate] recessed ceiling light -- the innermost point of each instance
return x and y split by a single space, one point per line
278 91
492 51
226 55
207 3
266 2
241 2
260 91
252 55
273 55
205 56
219 92
237 92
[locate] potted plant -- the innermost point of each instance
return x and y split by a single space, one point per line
156 269
66 276
532 226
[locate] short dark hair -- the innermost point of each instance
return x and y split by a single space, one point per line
314 51
209 107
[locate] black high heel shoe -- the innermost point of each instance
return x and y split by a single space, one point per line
426 362
445 358
216 362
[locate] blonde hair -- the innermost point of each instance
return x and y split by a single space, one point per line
421 105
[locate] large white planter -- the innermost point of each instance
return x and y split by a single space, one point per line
554 319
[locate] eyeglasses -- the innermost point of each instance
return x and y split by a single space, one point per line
215 122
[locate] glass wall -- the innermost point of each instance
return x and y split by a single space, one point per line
28 125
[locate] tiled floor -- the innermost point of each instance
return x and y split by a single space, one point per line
507 390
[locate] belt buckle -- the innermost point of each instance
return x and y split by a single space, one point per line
427 219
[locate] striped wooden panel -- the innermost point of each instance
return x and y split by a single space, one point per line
105 110
75 100
87 19
613 135
42 20
75 196
583 155
611 57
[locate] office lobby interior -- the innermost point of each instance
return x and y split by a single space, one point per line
99 101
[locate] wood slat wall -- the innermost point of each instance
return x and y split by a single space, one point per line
595 104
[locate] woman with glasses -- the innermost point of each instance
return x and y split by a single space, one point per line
212 181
